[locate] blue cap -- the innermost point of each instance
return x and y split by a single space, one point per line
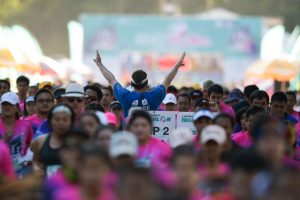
235 94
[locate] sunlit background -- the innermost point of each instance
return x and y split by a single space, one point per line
235 42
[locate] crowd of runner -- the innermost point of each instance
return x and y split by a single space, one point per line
95 142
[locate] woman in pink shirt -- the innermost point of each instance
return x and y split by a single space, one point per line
243 139
29 107
151 151
16 133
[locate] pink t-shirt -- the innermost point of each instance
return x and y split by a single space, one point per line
35 121
6 167
22 104
227 109
196 142
155 153
20 140
242 139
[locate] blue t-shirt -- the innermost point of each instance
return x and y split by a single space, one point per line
149 100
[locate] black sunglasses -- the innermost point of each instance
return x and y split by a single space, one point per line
72 99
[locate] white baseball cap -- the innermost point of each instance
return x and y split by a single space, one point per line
29 99
11 98
202 113
74 90
170 98
180 136
213 132
123 143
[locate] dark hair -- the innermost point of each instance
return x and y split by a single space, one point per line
58 93
172 89
34 86
226 90
97 85
75 138
95 107
184 150
183 89
239 114
139 79
253 110
139 114
50 114
95 89
90 113
259 94
216 89
41 91
279 96
249 161
198 92
6 82
184 95
258 126
291 93
249 89
25 112
109 89
226 116
92 149
23 79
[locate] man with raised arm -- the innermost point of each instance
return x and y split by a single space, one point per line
142 96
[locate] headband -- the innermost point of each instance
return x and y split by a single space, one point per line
143 84
62 108
143 81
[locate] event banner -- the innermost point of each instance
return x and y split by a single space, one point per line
165 122
111 33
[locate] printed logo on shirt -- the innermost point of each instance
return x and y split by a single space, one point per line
135 103
145 104
15 146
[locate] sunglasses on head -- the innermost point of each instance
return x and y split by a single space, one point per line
72 99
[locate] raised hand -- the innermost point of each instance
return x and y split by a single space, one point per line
179 62
173 72
105 72
98 60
